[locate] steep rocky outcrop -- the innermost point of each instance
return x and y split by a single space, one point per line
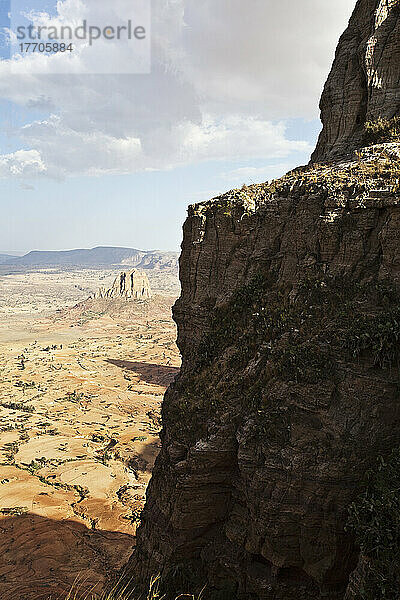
128 284
289 328
284 400
364 83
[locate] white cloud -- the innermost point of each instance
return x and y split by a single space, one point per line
91 51
237 136
23 163
222 71
67 151
267 57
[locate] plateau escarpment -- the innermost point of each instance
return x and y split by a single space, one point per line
289 329
289 386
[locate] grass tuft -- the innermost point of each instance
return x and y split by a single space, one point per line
122 590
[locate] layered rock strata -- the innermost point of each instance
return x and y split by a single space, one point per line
128 284
364 83
284 400
288 324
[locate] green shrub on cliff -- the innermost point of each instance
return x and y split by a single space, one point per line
375 520
325 314
379 334
306 363
263 335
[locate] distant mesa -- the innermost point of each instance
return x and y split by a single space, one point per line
100 256
132 285
6 257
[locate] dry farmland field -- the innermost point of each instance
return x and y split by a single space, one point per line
81 384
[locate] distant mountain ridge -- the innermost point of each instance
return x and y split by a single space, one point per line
5 258
101 255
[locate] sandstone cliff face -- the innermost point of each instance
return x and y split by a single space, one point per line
288 324
364 83
128 284
268 435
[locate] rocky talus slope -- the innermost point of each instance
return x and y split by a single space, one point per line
289 328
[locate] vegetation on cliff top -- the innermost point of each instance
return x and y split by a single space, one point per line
382 130
371 169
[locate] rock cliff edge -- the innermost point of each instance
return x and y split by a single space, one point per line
288 324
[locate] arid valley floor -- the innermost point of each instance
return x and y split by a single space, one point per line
80 393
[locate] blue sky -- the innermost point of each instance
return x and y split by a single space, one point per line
4 23
144 210
116 160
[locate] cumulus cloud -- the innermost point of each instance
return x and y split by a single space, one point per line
97 31
65 151
223 74
23 163
265 56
